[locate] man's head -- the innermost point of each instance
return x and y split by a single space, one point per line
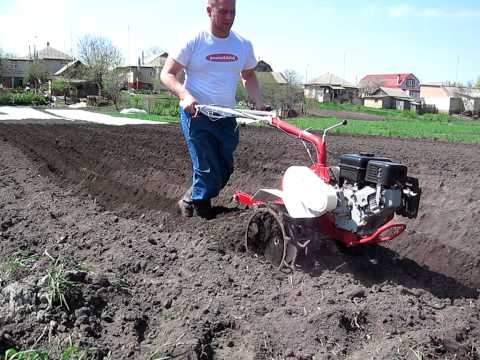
222 15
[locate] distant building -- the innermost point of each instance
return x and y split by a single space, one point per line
331 88
145 75
407 82
389 98
16 69
262 66
265 73
451 99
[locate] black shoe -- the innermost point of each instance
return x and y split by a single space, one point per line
203 209
185 204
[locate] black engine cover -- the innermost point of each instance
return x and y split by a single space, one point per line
353 167
386 174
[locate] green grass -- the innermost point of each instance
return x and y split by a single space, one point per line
57 285
72 352
429 126
19 261
151 117
356 108
12 354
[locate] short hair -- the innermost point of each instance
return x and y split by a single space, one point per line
212 2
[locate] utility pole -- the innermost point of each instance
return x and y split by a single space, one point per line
456 71
344 65
128 45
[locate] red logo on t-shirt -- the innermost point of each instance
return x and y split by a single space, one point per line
222 57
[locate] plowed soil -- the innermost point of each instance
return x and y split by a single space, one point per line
96 204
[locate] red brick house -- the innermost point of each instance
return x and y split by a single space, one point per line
406 82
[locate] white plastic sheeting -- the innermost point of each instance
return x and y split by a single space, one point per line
23 113
83 115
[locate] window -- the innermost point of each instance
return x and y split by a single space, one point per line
411 83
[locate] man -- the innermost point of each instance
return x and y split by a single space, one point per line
213 60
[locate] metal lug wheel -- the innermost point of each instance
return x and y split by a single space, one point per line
265 236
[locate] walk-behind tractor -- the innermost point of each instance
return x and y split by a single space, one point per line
353 203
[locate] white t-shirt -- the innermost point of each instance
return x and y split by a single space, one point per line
213 66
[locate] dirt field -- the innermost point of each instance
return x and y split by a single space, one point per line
151 285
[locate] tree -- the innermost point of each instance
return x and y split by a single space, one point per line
478 83
36 74
113 82
368 87
292 91
100 57
1 64
292 77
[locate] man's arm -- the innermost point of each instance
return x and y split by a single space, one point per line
169 78
250 82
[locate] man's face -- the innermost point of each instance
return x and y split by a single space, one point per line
222 15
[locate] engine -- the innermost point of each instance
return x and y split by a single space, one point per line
371 190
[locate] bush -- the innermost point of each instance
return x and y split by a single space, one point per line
22 98
59 86
165 108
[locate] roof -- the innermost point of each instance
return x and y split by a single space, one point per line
52 53
435 84
279 77
384 92
456 91
263 66
66 67
388 80
157 61
395 92
272 77
329 79
131 66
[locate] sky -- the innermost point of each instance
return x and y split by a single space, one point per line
437 40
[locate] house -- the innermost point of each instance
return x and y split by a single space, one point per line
15 70
389 98
265 74
140 77
145 75
263 66
407 82
78 87
331 88
451 99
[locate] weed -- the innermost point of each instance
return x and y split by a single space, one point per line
13 354
75 353
57 285
417 353
159 356
72 352
19 261
168 317
122 286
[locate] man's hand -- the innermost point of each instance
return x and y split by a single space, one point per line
250 82
188 103
169 78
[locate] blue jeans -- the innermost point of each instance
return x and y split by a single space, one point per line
211 145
